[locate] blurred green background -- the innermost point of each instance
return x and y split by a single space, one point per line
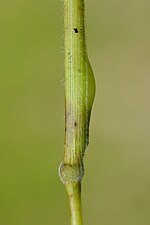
116 187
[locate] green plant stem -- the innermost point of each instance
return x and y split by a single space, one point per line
75 80
74 193
79 96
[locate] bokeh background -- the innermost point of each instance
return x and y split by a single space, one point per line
116 186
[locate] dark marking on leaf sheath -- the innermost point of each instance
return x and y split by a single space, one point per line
75 124
75 30
71 195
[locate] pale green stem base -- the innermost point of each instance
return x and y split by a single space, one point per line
74 194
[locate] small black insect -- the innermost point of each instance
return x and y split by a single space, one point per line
75 30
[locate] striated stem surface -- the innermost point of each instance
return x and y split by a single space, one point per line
79 97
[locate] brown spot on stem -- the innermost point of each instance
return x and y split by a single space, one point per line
75 124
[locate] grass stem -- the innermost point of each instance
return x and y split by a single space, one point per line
79 97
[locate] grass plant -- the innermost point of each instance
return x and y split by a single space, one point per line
79 97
